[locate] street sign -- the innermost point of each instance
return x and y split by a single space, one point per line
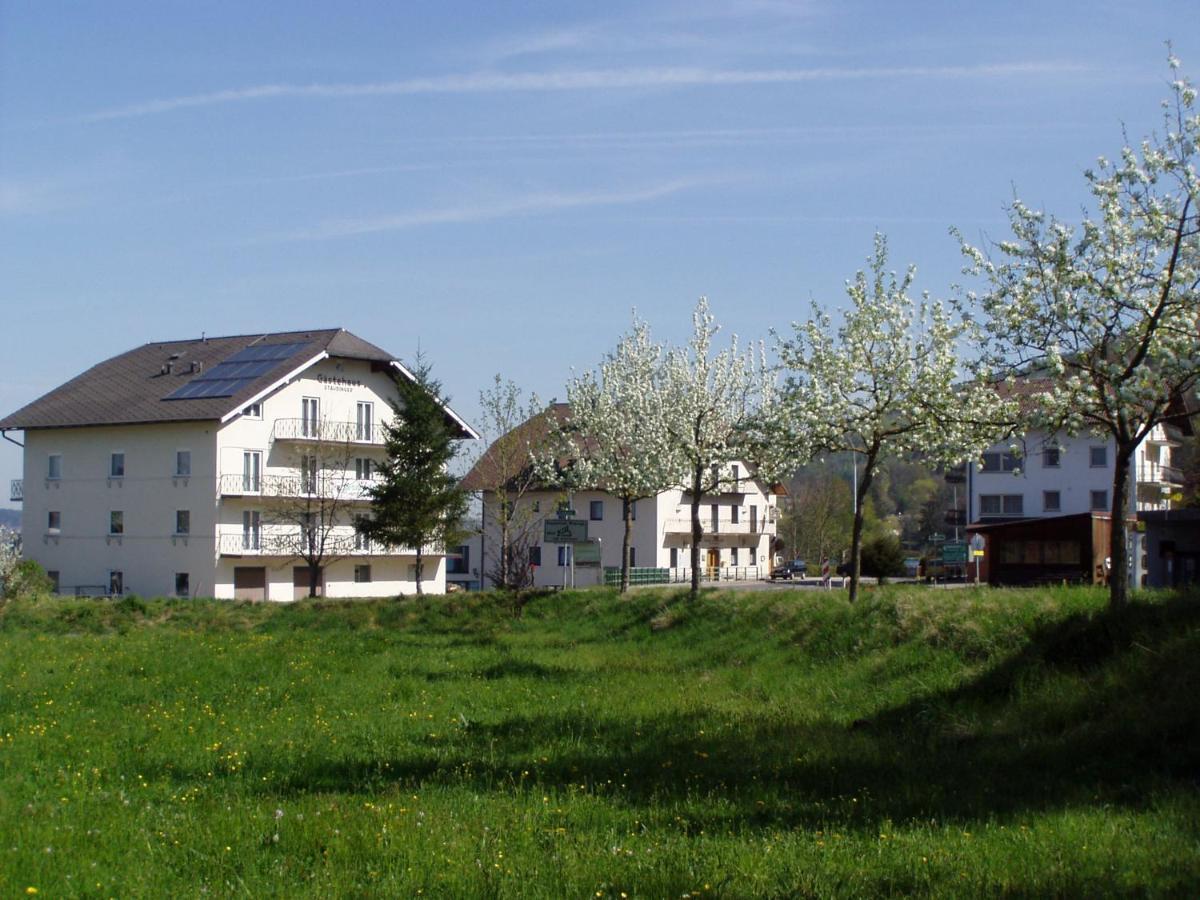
937 538
977 554
587 553
564 531
977 542
954 552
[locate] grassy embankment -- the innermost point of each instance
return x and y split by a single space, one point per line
950 743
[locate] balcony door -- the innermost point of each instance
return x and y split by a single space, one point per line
310 417
252 471
365 422
251 529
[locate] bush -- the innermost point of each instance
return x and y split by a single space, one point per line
27 579
883 557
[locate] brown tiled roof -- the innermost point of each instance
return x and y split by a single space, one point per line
512 451
131 388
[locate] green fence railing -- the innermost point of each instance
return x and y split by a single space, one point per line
646 575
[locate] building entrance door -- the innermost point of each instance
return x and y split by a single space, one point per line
713 564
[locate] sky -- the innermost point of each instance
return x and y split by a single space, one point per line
499 185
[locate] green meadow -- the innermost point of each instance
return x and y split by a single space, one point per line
776 744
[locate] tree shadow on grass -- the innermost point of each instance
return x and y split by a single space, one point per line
1095 710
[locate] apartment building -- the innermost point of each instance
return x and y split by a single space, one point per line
1043 504
738 522
225 467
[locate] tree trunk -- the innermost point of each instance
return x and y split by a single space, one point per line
697 531
1118 573
505 550
856 535
314 578
627 515
420 566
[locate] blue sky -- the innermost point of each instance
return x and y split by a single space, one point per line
502 183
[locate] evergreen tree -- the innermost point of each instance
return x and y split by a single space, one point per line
416 501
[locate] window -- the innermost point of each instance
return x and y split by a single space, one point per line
116 582
116 522
362 541
362 574
535 555
54 466
308 474
733 556
363 468
1051 457
1001 504
537 505
251 529
1051 501
564 554
364 425
632 556
596 510
1000 462
674 557
182 587
183 462
715 517
310 415
737 477
754 520
116 466
52 574
308 531
183 521
1100 500
53 521
253 411
460 562
252 471
1098 457
633 511
734 513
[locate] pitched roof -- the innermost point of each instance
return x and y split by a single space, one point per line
509 456
134 387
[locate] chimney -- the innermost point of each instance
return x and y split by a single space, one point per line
197 367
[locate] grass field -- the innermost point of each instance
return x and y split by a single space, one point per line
947 743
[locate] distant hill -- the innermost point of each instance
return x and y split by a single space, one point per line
10 517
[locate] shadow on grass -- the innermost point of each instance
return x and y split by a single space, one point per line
1095 710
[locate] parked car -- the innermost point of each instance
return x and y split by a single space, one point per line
797 568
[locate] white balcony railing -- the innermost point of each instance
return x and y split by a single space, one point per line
290 543
1157 473
720 526
325 486
16 490
329 432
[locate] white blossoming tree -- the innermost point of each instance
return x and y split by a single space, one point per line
10 555
616 436
714 401
884 383
1102 317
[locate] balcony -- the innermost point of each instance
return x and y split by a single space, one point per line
289 544
721 528
329 487
1156 473
16 490
327 432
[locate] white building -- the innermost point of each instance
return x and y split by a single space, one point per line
738 521
1056 475
216 467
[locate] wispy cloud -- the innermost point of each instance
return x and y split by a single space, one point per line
576 80
524 205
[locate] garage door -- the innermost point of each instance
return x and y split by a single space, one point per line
250 582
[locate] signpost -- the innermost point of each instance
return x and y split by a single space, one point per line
954 553
565 531
587 553
977 545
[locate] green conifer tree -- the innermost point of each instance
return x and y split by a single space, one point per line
417 502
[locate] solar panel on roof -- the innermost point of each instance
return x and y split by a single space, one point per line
236 372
